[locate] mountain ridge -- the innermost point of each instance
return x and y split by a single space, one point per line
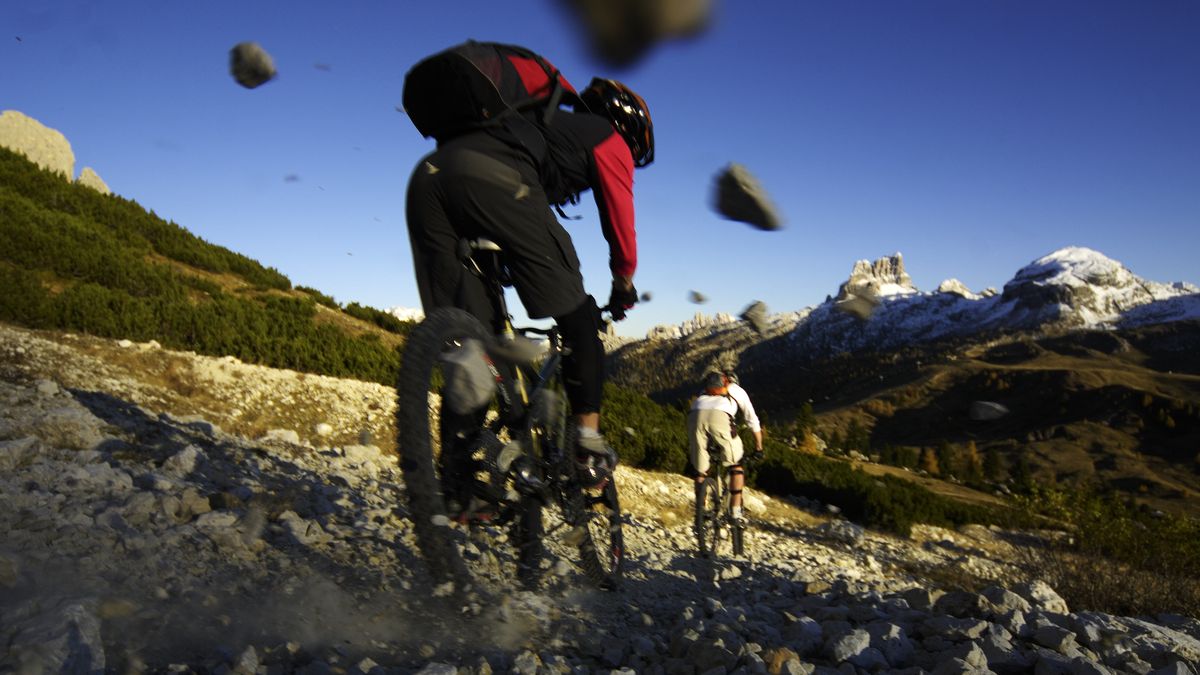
1071 287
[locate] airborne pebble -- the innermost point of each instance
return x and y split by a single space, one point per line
251 65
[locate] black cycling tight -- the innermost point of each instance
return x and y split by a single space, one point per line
583 367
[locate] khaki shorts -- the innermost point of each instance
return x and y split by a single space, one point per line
705 426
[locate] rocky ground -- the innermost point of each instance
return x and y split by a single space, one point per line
166 512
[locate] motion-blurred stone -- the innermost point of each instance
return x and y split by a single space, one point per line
858 306
756 315
622 31
251 65
697 297
739 196
987 410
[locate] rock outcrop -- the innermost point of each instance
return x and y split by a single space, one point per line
885 276
89 178
700 322
44 146
956 287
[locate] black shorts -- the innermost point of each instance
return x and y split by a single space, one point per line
478 186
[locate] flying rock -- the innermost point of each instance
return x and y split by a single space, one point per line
622 31
251 65
756 315
739 196
697 297
856 305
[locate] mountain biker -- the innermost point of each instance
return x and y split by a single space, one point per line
713 420
487 183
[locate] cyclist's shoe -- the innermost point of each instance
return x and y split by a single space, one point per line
595 461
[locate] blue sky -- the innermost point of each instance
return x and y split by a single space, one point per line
973 136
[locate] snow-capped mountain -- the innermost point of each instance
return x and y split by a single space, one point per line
1070 288
878 307
406 313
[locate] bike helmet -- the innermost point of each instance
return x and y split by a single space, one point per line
628 113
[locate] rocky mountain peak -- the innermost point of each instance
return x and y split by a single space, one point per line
1076 286
699 322
1074 266
884 276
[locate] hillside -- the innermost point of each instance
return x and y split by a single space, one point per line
1096 375
157 520
72 258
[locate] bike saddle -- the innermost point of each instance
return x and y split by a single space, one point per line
490 265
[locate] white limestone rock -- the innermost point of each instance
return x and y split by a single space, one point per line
46 147
89 178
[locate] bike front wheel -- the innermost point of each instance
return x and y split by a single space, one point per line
595 513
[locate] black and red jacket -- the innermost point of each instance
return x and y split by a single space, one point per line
585 152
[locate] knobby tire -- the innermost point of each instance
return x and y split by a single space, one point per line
602 547
417 458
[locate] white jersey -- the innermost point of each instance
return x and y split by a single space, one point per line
737 399
743 400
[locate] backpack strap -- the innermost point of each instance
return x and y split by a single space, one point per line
553 75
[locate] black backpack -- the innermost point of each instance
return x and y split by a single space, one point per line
487 85
480 85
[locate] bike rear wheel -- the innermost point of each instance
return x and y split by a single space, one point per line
708 521
460 545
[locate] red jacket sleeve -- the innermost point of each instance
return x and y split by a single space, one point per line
613 189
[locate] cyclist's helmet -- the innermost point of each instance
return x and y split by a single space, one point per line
714 384
628 113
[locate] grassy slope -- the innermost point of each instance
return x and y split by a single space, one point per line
1116 410
74 259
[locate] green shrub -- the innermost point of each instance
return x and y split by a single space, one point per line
388 322
644 433
882 502
320 297
97 250
1120 557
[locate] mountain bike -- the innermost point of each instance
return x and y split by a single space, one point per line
477 484
715 523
